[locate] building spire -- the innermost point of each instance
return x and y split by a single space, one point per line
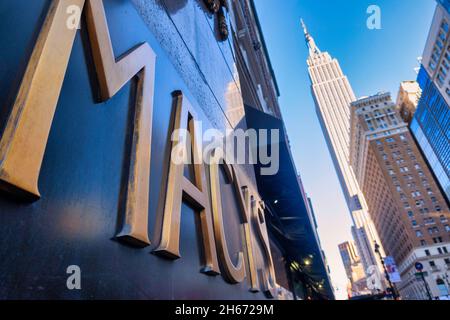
313 49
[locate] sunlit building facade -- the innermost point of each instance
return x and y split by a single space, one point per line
405 202
431 123
407 99
353 269
333 94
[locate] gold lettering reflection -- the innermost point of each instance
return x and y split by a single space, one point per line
180 188
268 271
248 240
232 273
23 143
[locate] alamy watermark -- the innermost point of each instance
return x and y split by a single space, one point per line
74 17
74 280
374 20
237 146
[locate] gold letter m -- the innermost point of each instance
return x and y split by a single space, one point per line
24 140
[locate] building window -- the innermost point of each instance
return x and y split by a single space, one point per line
442 287
445 249
423 243
419 234
414 223
437 240
390 140
444 26
416 194
439 250
433 230
427 253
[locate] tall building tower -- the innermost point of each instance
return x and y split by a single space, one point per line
332 95
405 202
431 122
407 99
353 268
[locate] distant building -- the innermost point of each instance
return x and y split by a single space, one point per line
407 99
405 202
333 94
431 123
354 269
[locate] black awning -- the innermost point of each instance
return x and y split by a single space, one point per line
287 213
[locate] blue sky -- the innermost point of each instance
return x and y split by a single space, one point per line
373 60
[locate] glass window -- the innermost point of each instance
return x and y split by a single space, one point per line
444 26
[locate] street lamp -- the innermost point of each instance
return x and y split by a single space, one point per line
386 273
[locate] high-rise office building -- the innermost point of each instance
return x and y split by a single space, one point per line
431 122
332 95
405 202
407 99
353 268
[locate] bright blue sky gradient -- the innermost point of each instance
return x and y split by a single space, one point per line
373 60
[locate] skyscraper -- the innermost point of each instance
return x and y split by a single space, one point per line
431 122
353 268
405 202
407 99
332 95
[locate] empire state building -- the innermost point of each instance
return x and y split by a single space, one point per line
332 96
